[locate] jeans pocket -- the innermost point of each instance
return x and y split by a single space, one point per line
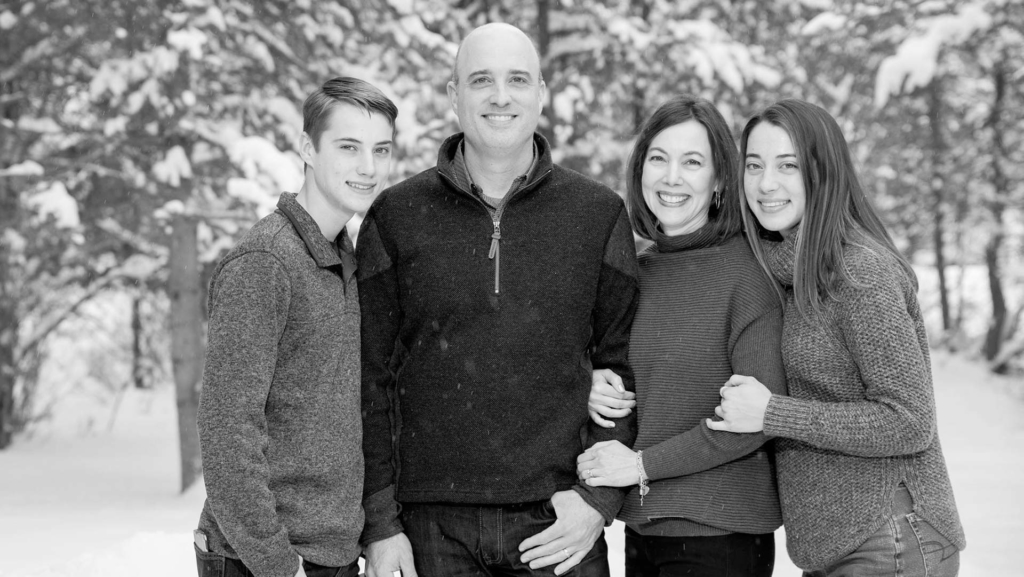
548 510
939 557
209 564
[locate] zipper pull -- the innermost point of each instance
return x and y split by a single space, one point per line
495 254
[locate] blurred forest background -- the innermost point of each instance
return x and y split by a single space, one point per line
140 138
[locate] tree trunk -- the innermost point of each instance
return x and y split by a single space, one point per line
997 332
138 376
187 349
544 44
642 9
938 196
8 340
8 315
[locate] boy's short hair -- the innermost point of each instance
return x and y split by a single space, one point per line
343 89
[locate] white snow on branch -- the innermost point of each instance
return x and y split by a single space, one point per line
253 193
116 75
575 44
931 6
188 40
712 53
7 20
216 18
259 51
818 4
174 167
56 202
14 241
829 21
402 6
628 33
256 155
115 125
169 209
214 248
26 168
564 103
288 114
916 59
40 125
140 266
413 26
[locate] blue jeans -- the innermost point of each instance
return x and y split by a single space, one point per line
214 565
462 540
905 546
733 555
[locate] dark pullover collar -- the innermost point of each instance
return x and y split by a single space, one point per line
462 175
324 252
703 237
450 168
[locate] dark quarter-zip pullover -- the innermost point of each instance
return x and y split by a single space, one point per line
482 379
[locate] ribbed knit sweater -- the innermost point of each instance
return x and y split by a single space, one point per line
707 311
499 322
860 418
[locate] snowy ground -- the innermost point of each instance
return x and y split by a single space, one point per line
81 499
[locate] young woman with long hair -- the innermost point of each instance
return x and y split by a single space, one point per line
862 479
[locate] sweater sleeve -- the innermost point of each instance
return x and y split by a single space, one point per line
616 302
897 413
248 314
381 320
757 353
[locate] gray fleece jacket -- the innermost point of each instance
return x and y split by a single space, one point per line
279 418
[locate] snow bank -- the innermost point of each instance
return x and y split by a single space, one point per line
103 503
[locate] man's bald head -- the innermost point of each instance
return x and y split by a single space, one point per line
490 31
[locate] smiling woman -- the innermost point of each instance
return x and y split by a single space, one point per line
679 179
706 312
862 477
772 182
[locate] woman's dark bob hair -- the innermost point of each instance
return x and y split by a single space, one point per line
726 217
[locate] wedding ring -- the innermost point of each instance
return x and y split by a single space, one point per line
566 551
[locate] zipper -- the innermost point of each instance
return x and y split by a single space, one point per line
495 255
495 251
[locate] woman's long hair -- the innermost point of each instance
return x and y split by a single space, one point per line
836 212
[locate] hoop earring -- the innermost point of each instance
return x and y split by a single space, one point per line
718 198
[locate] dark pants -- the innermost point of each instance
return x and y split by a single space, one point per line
463 540
733 555
214 565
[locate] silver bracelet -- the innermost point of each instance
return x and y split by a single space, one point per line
642 476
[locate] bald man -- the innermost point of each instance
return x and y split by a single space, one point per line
490 286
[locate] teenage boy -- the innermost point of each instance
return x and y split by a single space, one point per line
279 419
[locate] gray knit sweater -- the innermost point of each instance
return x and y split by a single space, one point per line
707 311
279 419
860 418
